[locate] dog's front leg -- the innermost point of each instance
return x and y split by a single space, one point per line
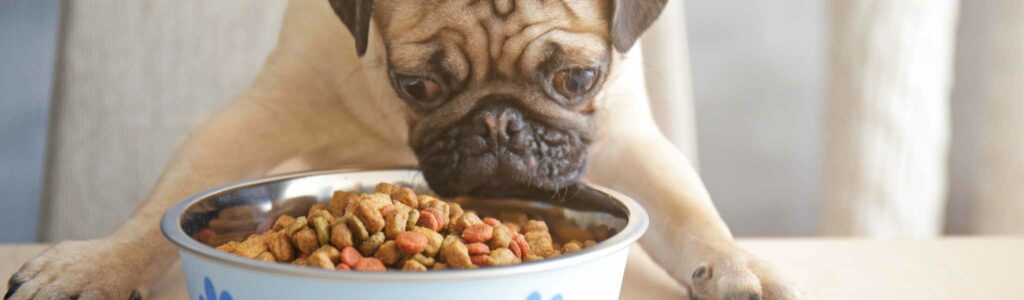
245 139
687 236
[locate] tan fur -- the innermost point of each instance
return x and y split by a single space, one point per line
316 105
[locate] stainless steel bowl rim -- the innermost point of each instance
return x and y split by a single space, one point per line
637 222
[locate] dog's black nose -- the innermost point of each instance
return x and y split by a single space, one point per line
499 123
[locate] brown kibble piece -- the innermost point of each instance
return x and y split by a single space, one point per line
396 221
229 247
282 222
322 213
279 246
352 201
385 188
350 256
411 242
467 219
377 200
424 260
571 247
439 266
454 212
455 254
502 257
370 264
295 226
478 248
502 236
305 240
406 196
589 243
478 233
358 229
339 200
252 246
267 257
540 242
370 216
320 260
413 218
371 244
315 210
388 253
322 227
341 236
333 253
534 225
414 266
425 201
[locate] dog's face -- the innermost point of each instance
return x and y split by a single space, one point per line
500 92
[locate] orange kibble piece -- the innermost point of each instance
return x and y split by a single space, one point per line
478 233
429 221
387 209
350 256
491 221
411 242
478 248
370 264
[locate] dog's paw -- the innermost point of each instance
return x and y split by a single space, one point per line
736 275
95 269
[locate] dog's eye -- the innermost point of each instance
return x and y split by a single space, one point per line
573 82
419 88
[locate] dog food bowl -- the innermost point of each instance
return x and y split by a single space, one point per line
594 273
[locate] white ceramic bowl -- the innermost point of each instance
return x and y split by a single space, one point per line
594 273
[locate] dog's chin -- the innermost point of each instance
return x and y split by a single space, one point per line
535 160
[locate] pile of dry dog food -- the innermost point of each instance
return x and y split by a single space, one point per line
397 228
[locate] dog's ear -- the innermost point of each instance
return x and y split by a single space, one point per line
356 15
630 18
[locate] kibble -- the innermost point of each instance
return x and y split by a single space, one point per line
396 227
411 242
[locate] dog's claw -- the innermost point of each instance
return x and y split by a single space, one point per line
12 287
699 273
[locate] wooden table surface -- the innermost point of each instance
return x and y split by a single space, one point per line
949 268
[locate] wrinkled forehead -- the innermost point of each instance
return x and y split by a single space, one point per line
477 39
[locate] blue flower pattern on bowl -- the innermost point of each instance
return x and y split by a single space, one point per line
536 296
211 292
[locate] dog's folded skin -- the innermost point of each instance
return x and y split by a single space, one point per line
513 96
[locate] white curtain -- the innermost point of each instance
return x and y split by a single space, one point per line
888 119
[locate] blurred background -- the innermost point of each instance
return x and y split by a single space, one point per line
889 119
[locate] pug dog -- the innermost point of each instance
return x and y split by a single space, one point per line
484 96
